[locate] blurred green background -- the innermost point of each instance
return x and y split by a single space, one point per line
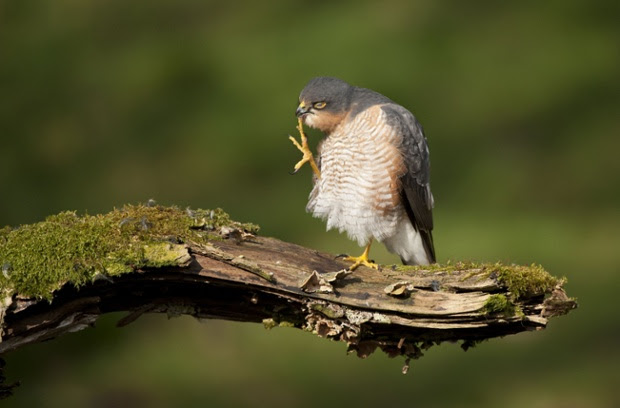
190 102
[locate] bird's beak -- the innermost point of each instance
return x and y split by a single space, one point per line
302 109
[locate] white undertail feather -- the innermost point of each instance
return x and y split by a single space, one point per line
407 243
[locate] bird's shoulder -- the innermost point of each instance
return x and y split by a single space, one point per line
364 99
402 120
367 103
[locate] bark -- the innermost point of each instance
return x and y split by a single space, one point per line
259 279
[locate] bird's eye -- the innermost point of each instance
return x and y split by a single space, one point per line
319 105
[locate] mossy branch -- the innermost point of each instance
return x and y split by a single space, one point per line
61 274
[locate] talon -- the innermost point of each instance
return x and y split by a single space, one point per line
358 260
305 149
362 260
341 256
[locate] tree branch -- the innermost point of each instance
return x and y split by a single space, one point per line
234 275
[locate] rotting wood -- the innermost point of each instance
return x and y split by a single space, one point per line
442 306
249 278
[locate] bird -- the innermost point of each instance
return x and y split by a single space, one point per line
372 172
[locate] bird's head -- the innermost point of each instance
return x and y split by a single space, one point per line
324 103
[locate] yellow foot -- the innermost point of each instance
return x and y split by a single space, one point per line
305 149
362 260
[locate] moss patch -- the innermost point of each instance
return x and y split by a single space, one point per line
522 281
525 281
39 258
498 304
436 267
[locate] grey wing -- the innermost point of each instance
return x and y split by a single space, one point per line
416 190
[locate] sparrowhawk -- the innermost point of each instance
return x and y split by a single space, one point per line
372 173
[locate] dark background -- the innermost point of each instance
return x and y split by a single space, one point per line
190 102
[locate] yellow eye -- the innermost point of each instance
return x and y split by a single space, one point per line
319 105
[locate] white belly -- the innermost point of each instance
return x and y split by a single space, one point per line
358 184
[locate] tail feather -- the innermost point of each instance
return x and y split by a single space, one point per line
429 246
414 247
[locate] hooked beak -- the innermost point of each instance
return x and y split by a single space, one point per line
302 110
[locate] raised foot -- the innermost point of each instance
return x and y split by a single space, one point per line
305 149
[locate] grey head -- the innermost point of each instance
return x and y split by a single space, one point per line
325 102
331 95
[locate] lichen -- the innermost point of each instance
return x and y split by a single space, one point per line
161 254
269 323
38 259
328 310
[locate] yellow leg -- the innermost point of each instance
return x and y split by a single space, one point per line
303 147
362 259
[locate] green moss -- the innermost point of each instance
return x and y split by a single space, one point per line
39 258
498 304
522 281
525 281
436 267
